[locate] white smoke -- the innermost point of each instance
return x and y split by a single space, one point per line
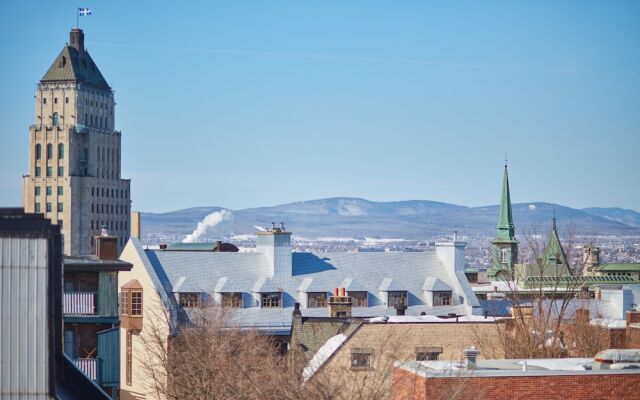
259 228
532 206
208 222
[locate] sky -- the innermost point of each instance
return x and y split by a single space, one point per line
246 104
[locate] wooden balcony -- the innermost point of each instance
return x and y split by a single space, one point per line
89 366
80 303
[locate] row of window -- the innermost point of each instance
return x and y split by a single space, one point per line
106 173
106 153
115 193
49 207
110 225
108 209
50 171
96 121
49 151
55 100
314 299
49 190
361 359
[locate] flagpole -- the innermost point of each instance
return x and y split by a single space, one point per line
77 18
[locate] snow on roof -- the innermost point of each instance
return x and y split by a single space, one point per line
560 364
407 319
323 355
609 323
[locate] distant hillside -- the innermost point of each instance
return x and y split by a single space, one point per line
413 219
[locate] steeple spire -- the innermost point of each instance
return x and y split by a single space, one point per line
505 227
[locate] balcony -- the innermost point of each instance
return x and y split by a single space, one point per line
79 303
89 366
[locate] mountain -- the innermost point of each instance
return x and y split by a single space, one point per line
624 216
359 218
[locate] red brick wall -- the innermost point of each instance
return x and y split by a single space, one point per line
408 386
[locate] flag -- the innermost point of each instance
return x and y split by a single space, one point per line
83 12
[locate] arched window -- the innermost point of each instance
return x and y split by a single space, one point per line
55 119
49 151
61 151
38 151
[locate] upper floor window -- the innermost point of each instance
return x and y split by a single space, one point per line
44 100
38 173
504 255
55 119
38 151
397 298
131 299
189 299
136 303
271 300
37 190
361 358
60 171
442 298
359 299
49 151
232 300
61 151
428 353
317 300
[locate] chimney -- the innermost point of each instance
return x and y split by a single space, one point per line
590 258
163 246
451 254
582 316
400 308
296 310
218 246
471 354
276 246
633 317
339 304
106 246
136 224
76 39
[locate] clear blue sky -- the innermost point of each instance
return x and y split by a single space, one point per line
241 104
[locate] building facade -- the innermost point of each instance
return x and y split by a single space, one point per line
74 175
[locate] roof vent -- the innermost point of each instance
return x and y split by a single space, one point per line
471 355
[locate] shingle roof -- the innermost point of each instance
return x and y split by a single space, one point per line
72 65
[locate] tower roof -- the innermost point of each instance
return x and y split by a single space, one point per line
75 64
505 230
554 252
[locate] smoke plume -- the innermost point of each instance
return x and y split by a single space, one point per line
208 222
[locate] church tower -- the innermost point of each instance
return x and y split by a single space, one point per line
505 245
74 153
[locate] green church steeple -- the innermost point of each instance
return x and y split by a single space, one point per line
505 245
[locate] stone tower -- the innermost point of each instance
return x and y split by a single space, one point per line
505 245
74 153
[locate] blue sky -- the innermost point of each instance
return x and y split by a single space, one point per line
242 104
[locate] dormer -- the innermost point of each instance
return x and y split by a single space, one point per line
393 294
437 293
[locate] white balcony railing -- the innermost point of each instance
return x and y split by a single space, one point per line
80 303
89 366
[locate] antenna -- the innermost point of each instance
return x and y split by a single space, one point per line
506 160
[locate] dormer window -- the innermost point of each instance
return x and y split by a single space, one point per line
232 300
442 298
190 300
271 300
359 299
398 297
317 300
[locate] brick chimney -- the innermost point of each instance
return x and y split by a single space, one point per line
582 316
106 246
339 304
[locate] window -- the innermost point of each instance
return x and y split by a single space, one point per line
66 100
49 171
136 303
55 119
60 207
37 190
38 151
442 298
44 100
49 151
504 255
317 300
359 299
124 302
397 297
428 353
48 190
60 190
60 171
55 100
190 299
129 360
36 208
361 358
49 207
60 223
271 300
61 151
38 172
232 300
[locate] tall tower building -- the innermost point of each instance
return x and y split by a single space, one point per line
74 153
505 245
